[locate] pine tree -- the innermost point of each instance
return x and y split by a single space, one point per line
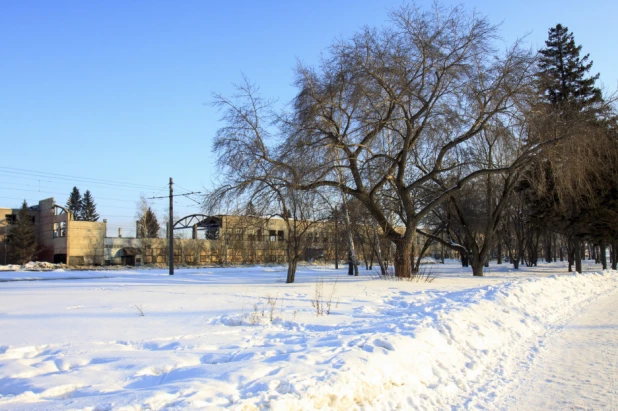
23 244
562 72
88 208
250 209
148 225
74 204
574 105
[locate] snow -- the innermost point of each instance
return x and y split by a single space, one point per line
241 338
576 368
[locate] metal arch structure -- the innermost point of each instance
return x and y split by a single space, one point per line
58 209
199 222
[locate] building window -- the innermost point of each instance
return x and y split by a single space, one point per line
63 229
56 229
280 236
11 219
212 233
272 235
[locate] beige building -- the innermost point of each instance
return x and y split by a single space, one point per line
215 240
61 239
219 239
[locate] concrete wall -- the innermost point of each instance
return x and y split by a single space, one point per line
85 243
113 249
51 242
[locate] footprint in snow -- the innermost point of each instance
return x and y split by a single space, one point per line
384 344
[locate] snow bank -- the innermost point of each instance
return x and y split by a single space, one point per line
428 260
40 265
457 349
32 266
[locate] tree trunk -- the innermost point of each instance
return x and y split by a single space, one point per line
477 270
292 257
592 253
403 257
464 259
614 254
571 245
602 254
352 262
378 250
336 245
516 263
499 253
477 261
578 256
291 271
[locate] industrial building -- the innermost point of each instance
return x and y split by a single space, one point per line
220 239
61 239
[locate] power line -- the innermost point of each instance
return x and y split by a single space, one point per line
57 183
35 173
187 195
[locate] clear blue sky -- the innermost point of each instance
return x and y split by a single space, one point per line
120 90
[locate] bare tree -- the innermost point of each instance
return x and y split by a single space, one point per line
397 108
255 169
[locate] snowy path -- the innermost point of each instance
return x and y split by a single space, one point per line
578 369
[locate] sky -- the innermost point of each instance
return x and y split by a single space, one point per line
115 97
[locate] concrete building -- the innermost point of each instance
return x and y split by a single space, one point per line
215 240
219 239
61 239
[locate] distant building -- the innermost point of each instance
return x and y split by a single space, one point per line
61 239
215 240
219 239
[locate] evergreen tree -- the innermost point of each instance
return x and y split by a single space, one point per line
563 195
250 209
74 204
562 72
148 225
23 244
88 208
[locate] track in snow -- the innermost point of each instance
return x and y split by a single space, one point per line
578 368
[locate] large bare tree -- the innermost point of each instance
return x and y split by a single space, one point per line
398 108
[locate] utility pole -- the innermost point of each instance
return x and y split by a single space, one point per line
170 224
171 228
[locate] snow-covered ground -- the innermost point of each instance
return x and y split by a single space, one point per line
576 368
241 338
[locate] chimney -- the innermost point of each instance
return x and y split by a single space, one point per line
119 231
